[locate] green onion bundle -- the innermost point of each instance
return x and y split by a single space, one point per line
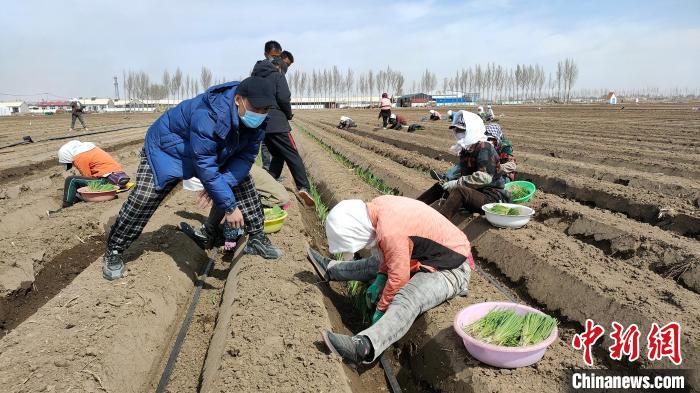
505 327
504 210
98 186
517 191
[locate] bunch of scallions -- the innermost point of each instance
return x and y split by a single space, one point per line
506 328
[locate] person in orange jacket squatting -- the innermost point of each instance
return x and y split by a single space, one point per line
419 260
93 164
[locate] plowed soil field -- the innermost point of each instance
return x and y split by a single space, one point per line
615 238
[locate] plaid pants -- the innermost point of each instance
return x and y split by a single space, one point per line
144 199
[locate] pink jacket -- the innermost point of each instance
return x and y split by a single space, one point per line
385 104
399 223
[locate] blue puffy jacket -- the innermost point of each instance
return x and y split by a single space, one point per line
202 137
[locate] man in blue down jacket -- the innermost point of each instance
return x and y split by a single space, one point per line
215 137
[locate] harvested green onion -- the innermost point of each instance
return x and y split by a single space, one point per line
505 327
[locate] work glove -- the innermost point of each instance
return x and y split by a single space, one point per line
374 291
449 185
377 316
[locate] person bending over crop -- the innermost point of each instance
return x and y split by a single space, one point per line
346 123
211 233
384 109
418 261
479 178
435 115
215 137
76 113
398 122
94 164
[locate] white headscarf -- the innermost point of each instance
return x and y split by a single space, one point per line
67 152
472 132
348 227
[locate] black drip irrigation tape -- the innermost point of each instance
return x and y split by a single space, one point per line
28 139
170 365
389 373
495 283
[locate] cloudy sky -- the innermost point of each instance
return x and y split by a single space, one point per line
70 48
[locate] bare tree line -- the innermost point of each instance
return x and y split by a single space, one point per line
138 84
491 82
334 83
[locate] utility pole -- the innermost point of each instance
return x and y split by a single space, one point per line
116 88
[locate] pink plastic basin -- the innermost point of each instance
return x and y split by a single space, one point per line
495 355
96 196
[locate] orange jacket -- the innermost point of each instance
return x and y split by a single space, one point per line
95 163
399 223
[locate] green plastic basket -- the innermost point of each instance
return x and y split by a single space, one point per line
526 184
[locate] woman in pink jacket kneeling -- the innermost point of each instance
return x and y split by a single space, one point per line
419 259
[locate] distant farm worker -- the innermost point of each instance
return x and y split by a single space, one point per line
480 177
489 113
495 135
76 112
384 109
287 57
278 133
93 163
215 137
346 123
435 115
398 122
418 261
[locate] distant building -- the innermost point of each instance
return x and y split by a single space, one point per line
455 98
13 108
49 106
611 98
94 104
414 100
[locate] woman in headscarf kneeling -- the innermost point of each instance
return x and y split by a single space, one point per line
478 179
418 261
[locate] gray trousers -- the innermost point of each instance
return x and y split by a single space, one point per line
78 116
423 292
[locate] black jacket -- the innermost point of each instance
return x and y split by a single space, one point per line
281 113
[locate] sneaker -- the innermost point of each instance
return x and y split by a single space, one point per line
260 244
355 349
205 239
305 196
71 129
436 176
320 263
112 265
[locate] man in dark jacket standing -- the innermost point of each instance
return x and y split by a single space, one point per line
278 137
215 137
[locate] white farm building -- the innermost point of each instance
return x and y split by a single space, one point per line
94 104
8 108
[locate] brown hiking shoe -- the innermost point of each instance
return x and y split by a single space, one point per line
305 196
